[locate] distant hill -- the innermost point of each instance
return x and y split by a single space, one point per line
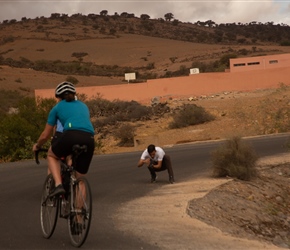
106 46
78 27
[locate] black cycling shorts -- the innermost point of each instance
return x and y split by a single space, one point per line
62 147
56 137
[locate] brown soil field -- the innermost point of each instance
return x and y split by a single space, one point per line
126 50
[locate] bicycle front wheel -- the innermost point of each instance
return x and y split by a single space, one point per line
48 208
80 217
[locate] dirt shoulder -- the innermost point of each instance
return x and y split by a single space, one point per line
209 213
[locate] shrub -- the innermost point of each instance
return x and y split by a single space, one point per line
20 130
190 114
8 99
79 54
8 39
150 66
72 79
285 43
117 111
100 107
126 135
236 159
13 131
173 59
132 111
225 59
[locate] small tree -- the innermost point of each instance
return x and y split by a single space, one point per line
72 79
20 130
175 22
144 17
168 16
104 13
235 158
190 114
126 135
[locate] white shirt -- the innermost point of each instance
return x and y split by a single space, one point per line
158 156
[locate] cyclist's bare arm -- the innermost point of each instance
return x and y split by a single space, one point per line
44 137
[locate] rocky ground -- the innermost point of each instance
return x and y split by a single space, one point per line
257 209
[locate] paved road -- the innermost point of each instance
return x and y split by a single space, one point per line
114 179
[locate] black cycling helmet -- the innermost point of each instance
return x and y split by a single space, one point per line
64 87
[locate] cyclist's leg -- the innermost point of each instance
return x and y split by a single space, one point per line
80 195
54 166
54 140
80 191
69 160
59 148
80 218
82 166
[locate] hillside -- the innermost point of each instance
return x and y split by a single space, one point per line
42 52
100 49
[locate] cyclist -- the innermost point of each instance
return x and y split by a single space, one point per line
156 161
77 129
58 130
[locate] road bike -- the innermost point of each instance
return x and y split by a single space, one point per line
75 205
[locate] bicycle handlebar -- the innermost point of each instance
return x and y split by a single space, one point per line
37 152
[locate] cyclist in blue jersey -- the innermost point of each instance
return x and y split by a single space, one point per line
58 130
74 116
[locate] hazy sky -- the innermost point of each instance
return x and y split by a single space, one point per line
218 11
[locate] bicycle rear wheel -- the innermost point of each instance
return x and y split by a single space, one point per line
80 217
48 208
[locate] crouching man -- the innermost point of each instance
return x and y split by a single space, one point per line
156 161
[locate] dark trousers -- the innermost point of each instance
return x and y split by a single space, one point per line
166 164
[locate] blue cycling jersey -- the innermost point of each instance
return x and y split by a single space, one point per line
59 127
73 115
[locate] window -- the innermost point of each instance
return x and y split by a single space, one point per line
239 64
253 63
273 61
